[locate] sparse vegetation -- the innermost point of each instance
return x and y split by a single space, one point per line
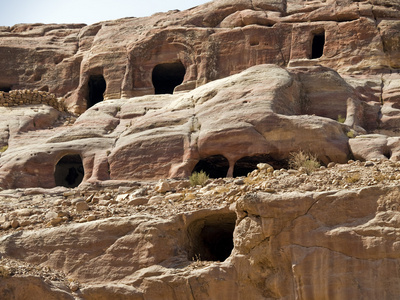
304 160
4 272
198 178
353 178
341 119
350 134
3 149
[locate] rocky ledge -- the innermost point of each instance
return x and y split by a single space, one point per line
273 234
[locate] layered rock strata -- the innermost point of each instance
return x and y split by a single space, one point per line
211 41
238 83
257 113
337 241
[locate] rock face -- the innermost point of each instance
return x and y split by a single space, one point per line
167 135
312 245
317 69
209 42
227 87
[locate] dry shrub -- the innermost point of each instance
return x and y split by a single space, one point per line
307 161
353 178
4 272
198 178
380 177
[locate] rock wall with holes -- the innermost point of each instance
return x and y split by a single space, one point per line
29 97
251 81
225 127
312 245
211 41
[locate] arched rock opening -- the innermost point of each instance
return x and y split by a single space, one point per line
97 87
249 163
211 238
318 44
215 166
167 76
69 171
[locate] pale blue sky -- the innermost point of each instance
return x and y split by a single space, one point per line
84 11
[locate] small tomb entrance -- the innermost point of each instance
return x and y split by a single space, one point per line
215 166
69 171
97 87
318 44
211 238
167 76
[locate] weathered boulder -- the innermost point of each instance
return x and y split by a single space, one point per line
33 287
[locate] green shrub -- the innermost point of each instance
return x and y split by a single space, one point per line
303 160
350 134
3 149
198 178
341 119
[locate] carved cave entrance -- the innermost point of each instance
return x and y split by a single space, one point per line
97 87
318 44
167 76
249 163
69 171
211 238
215 166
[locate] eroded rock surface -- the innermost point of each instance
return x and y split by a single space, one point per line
243 84
338 240
211 41
257 112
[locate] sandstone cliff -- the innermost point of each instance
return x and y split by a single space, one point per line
93 115
282 235
330 59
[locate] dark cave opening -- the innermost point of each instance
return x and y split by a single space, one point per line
167 76
6 89
97 87
211 238
387 153
215 166
249 163
69 171
318 44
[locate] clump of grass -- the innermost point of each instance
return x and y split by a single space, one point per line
304 160
198 178
350 134
341 119
3 149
